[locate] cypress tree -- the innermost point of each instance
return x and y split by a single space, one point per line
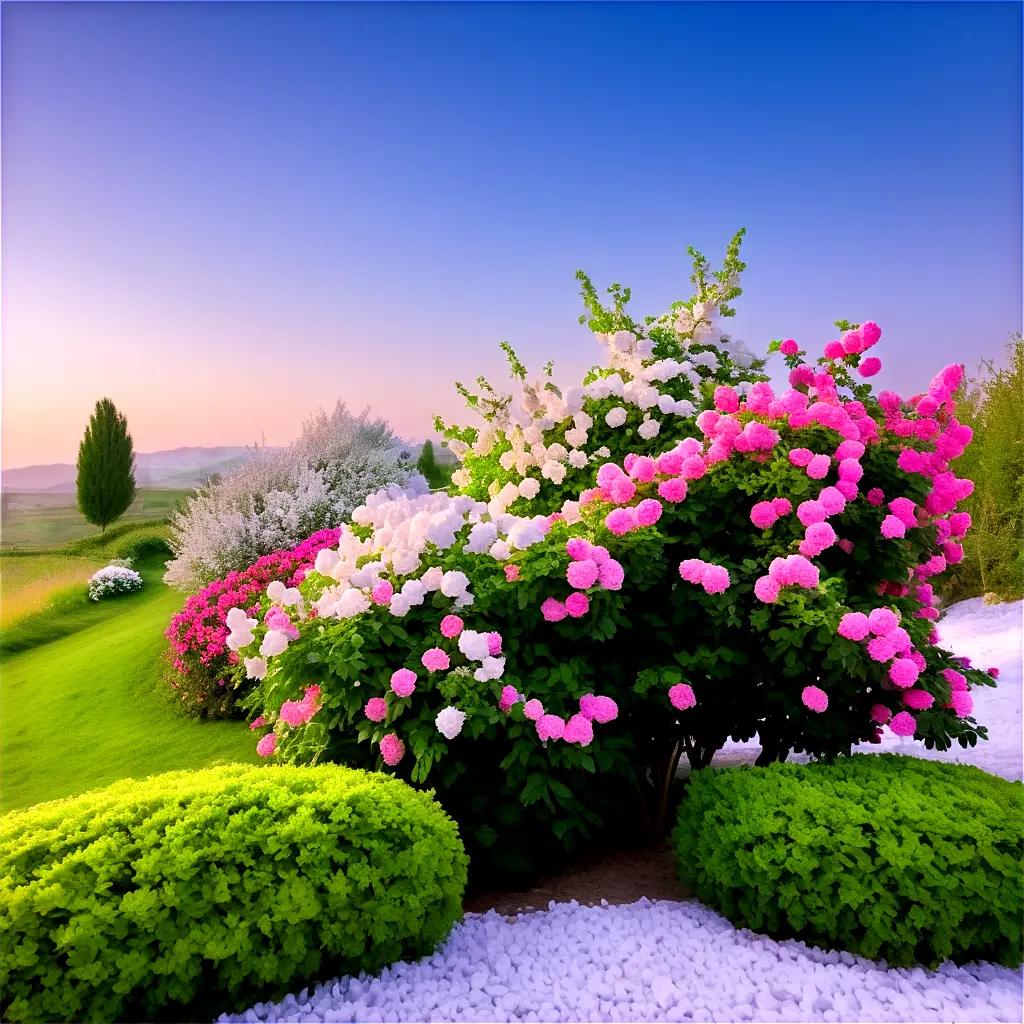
106 466
427 462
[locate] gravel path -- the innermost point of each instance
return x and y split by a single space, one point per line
680 961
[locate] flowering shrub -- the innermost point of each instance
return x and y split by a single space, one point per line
670 555
910 860
206 674
185 894
283 495
112 580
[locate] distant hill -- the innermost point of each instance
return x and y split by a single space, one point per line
178 467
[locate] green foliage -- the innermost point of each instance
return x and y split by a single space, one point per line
106 466
437 474
128 540
192 893
913 861
993 405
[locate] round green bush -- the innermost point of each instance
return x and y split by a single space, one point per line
890 857
204 891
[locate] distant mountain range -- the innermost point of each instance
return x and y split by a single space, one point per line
179 467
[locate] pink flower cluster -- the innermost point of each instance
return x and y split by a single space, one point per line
791 571
590 565
579 728
299 712
198 633
713 578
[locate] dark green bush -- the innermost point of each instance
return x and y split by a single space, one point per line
895 857
194 893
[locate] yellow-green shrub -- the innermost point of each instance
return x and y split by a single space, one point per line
914 861
202 891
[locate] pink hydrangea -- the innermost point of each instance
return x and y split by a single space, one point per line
672 491
511 574
903 724
880 714
620 521
582 574
814 699
551 727
782 506
870 366
801 457
579 729
435 660
494 644
267 745
577 605
919 700
392 749
789 347
693 468
961 702
716 579
258 723
881 649
692 569
533 710
817 468
509 698
600 709
642 469
875 496
763 515
850 470
834 350
766 589
382 592
853 626
904 672
682 696
403 682
892 527
553 610
648 512
451 626
809 512
726 399
817 538
611 575
882 621
376 709
957 680
870 332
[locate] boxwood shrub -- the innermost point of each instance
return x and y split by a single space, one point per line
194 893
892 857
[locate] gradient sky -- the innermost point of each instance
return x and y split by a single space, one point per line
225 216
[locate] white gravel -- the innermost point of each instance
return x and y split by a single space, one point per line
666 961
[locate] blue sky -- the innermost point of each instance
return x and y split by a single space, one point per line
224 216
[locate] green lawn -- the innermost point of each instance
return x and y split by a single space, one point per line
49 520
83 710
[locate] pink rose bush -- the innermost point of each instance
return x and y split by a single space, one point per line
675 552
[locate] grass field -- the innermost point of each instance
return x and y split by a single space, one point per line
85 709
29 582
49 520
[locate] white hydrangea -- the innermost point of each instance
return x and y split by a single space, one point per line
113 579
274 642
255 668
616 417
474 645
240 628
649 429
449 722
490 668
529 488
454 583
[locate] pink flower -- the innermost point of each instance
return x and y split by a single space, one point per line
882 621
782 506
880 714
648 512
870 366
851 470
551 727
875 496
919 700
809 512
511 574
296 712
956 680
534 710
814 699
726 399
582 574
870 332
577 548
993 672
553 610
494 644
904 672
600 709
382 592
682 696
853 626
257 723
881 648
578 730
903 724
267 745
789 347
451 626
763 515
694 467
376 709
766 589
612 575
435 660
642 469
801 456
403 682
620 521
672 490
817 468
392 749
509 697
577 605
961 702
692 569
716 579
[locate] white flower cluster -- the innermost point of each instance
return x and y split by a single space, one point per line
113 579
282 496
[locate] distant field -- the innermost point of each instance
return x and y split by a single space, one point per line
28 582
46 520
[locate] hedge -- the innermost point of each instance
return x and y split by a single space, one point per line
891 857
194 893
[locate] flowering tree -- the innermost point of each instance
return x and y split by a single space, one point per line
282 496
669 555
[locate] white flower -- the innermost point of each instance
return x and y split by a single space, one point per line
616 417
506 460
649 429
275 642
276 592
481 536
577 459
576 437
449 722
571 512
461 477
490 668
454 583
432 578
240 628
352 602
255 668
684 408
500 550
326 560
603 452
553 471
475 646
529 488
666 404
